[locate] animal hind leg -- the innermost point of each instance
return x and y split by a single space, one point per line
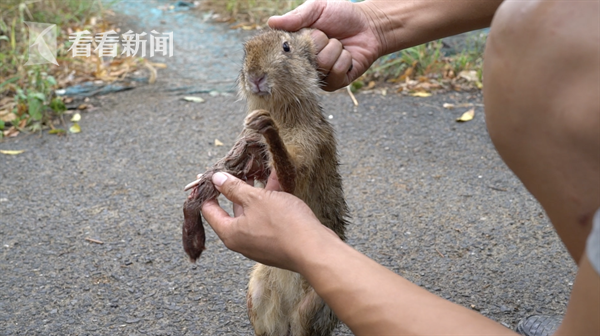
267 308
311 316
261 122
245 160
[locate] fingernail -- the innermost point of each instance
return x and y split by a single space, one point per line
219 178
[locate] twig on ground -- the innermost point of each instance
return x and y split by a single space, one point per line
94 241
352 96
496 188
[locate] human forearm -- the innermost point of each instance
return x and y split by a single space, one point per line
278 229
372 300
403 24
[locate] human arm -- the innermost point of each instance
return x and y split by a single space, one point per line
356 34
278 229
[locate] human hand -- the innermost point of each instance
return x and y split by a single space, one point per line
272 184
347 39
270 227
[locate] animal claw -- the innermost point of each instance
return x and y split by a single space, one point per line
259 121
193 184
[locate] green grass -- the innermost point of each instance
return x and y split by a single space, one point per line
429 60
423 59
251 11
32 87
426 60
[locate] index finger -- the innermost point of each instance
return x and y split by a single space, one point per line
319 39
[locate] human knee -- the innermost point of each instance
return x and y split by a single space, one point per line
541 84
540 62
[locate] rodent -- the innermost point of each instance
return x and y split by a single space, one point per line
280 82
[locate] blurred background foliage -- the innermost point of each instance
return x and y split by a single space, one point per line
28 101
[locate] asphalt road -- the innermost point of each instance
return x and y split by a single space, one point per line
430 199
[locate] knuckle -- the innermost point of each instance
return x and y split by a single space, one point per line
346 58
320 39
250 196
335 43
323 67
341 67
337 74
232 186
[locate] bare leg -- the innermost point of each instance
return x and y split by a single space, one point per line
542 85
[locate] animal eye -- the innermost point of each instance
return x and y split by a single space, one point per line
286 46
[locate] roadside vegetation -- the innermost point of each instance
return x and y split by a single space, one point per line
429 67
248 14
417 70
28 102
27 92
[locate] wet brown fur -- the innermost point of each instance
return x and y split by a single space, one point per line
300 144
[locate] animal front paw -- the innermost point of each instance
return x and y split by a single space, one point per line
259 121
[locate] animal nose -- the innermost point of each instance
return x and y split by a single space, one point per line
258 80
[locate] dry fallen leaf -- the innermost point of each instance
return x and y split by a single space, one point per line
194 99
470 75
406 75
467 115
7 116
11 132
11 152
245 26
58 131
218 143
451 106
76 117
75 128
153 72
158 65
6 100
421 94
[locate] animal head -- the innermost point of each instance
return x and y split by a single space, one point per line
279 67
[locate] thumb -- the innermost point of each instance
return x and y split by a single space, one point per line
232 188
303 16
